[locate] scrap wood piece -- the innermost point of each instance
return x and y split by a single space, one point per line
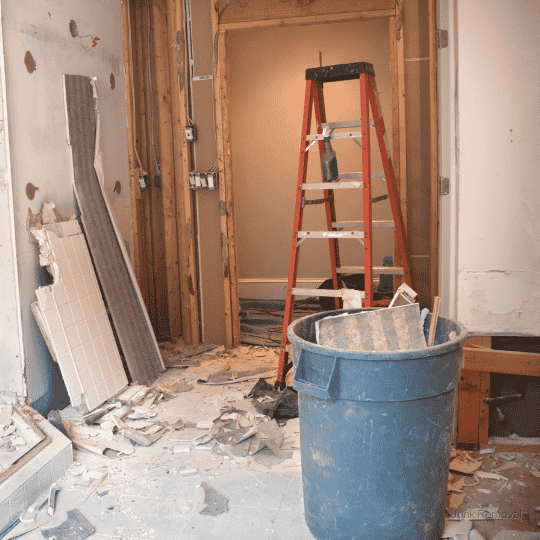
216 503
464 467
76 527
110 257
456 500
217 379
194 352
489 475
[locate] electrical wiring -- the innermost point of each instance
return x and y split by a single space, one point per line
228 4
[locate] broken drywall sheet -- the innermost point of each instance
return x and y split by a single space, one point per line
72 317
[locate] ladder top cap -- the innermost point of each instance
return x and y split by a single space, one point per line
340 72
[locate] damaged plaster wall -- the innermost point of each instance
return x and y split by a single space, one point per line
40 45
498 285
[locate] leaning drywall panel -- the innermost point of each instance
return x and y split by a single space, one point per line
499 194
38 135
120 289
11 349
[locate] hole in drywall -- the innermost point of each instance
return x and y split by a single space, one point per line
113 81
31 190
29 62
73 28
117 187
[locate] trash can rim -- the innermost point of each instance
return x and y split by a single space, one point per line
383 356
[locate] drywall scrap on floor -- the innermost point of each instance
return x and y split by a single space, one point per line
119 285
72 318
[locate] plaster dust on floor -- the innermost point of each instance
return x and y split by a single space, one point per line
159 491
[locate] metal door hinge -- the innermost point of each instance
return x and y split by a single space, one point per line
442 36
444 185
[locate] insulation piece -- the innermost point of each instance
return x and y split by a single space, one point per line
72 318
112 264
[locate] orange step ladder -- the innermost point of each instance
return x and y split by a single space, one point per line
315 78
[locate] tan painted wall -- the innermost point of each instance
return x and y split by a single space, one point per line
266 92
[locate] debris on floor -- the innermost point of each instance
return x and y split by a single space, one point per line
76 527
216 503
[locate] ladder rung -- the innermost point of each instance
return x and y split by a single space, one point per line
346 124
395 270
341 135
339 224
331 185
354 175
331 293
331 234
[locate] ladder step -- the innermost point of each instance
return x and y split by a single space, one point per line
340 224
354 175
331 234
339 135
331 293
346 124
394 270
331 185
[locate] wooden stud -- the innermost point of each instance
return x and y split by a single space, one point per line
491 361
468 410
402 117
132 151
143 209
396 157
186 230
168 190
434 147
229 194
483 423
222 180
226 209
156 205
313 19
434 321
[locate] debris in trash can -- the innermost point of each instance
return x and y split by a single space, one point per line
487 451
391 329
216 503
404 296
434 320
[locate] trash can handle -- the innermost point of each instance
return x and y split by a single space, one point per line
307 387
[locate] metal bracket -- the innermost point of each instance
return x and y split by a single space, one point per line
442 37
444 185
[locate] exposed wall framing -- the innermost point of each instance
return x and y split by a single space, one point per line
158 255
165 257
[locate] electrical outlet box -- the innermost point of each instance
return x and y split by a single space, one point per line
143 181
203 180
191 133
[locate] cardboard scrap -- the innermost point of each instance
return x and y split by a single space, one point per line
464 467
456 500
